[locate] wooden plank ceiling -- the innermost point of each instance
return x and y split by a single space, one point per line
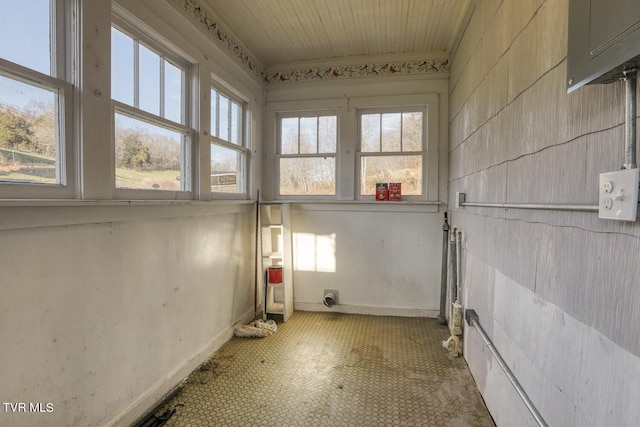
287 33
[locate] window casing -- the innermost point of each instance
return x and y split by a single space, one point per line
391 148
36 101
417 145
151 115
230 153
307 154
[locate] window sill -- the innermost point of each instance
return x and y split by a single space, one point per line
29 213
362 205
85 202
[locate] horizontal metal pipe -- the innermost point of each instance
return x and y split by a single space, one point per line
514 381
548 207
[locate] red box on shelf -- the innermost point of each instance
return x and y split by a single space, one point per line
275 274
382 191
395 191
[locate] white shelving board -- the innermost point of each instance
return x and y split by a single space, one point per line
277 251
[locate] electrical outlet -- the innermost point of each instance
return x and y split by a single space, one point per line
618 195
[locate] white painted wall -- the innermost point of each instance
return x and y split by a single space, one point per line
380 262
105 309
107 305
383 258
556 291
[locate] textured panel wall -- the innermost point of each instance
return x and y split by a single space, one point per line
557 291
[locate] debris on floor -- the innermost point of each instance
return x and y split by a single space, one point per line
259 329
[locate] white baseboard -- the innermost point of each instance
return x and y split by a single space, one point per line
359 309
172 380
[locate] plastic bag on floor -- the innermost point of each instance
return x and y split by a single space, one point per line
257 329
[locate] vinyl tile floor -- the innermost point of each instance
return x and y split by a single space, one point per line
331 369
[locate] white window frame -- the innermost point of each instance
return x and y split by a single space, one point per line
243 149
150 40
61 80
428 104
278 127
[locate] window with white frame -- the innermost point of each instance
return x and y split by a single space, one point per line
306 154
229 144
36 155
149 86
392 148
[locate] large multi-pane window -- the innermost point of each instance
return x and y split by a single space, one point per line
307 154
152 136
229 151
35 100
392 146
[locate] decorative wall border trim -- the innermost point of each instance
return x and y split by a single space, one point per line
367 70
193 8
429 66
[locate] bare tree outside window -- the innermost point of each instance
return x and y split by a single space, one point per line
307 155
391 146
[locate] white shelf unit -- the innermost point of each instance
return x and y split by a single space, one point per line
276 239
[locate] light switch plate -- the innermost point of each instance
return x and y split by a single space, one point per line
618 195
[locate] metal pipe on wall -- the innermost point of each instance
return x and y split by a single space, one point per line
458 238
454 267
630 83
534 206
474 320
443 275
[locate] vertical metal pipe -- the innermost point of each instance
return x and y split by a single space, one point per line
630 81
443 275
454 268
458 261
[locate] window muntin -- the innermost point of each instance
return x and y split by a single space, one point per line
35 101
307 155
229 151
392 149
151 137
145 79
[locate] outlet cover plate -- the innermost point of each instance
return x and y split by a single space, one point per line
618 195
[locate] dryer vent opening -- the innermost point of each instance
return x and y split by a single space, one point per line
330 297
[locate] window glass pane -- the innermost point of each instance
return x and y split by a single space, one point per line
308 176
289 136
223 123
370 133
411 131
173 95
391 132
25 28
214 113
308 135
406 170
122 69
227 168
149 76
148 156
327 133
236 124
28 130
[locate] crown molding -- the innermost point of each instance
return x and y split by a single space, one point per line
220 36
